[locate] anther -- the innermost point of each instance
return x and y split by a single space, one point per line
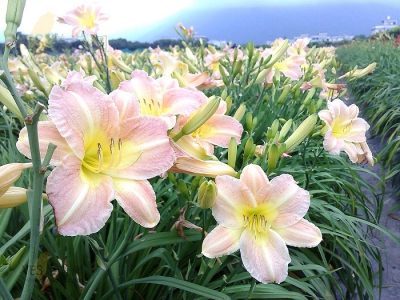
112 146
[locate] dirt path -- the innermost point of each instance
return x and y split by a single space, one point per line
389 220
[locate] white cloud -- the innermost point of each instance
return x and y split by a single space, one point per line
123 16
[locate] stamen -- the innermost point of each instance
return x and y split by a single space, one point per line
100 156
112 153
120 151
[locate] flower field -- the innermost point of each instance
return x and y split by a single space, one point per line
193 172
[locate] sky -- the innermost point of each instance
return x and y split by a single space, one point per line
232 20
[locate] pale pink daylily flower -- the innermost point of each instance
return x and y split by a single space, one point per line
290 67
299 47
260 217
162 97
85 17
344 131
105 150
77 76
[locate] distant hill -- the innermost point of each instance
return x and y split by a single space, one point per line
260 24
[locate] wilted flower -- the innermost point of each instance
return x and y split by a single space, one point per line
105 150
260 217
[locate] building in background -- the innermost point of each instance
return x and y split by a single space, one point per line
385 26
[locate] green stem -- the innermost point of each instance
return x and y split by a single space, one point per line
35 203
99 273
114 284
4 293
7 79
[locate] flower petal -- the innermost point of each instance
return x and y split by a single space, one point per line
267 258
221 129
82 114
301 234
332 144
127 104
138 200
221 241
48 133
146 150
254 178
325 115
80 199
285 199
234 200
182 101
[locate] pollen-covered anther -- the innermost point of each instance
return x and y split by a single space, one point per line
100 156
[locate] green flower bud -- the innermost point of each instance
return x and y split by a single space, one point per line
15 9
278 53
228 101
232 152
240 112
36 81
285 92
7 100
200 118
207 194
248 148
183 189
116 78
285 129
120 64
304 129
16 258
273 157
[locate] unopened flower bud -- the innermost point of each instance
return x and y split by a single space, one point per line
10 173
183 189
116 78
228 101
283 95
207 194
304 129
15 9
16 258
278 53
248 148
36 81
285 129
200 118
120 64
360 73
232 152
14 196
7 100
240 112
273 156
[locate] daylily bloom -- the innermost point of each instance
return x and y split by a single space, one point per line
290 67
162 97
105 150
344 130
260 217
299 47
84 18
